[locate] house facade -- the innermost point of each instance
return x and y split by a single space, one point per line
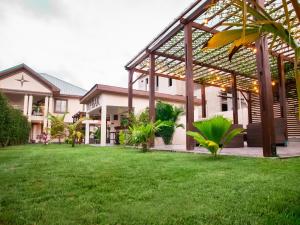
38 94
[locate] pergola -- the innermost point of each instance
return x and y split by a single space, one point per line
177 53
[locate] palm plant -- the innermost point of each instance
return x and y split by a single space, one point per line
214 133
170 115
141 134
74 131
251 30
58 127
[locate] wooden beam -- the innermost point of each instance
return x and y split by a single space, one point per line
152 92
266 95
250 120
173 76
296 6
130 84
189 84
282 94
203 101
234 100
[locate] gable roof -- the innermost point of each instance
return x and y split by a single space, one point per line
57 86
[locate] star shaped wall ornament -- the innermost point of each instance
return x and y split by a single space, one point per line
22 80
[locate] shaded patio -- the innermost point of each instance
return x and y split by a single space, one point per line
261 72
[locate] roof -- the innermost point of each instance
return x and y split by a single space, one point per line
65 87
99 89
212 67
57 86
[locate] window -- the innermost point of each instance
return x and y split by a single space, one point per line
157 81
170 82
61 106
147 81
116 117
224 107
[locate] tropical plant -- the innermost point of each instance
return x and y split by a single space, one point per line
74 131
170 115
14 126
141 134
214 133
252 29
58 126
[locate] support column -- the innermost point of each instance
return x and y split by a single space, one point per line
87 130
266 95
189 84
103 125
203 101
46 113
30 106
130 77
152 93
25 107
282 93
50 109
250 120
234 100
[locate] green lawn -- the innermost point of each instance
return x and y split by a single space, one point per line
87 185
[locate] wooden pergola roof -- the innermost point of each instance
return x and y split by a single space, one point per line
212 67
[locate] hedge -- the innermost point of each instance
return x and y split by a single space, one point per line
14 126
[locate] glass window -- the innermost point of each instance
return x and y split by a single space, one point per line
170 82
60 106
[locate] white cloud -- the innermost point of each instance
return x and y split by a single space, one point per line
83 41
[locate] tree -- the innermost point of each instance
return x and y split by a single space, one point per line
58 126
214 133
74 131
251 30
170 115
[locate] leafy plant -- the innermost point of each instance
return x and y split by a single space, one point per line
74 131
58 126
14 126
214 133
141 134
170 115
251 30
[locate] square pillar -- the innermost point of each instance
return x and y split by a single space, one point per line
189 84
266 95
46 113
203 101
30 101
87 130
234 100
152 93
25 107
130 95
282 94
103 125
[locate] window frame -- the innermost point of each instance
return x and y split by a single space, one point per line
55 109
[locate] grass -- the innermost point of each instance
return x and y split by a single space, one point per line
57 184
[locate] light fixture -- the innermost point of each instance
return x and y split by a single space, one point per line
273 83
255 82
205 21
254 50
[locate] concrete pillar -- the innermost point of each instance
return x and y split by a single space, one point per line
87 130
50 109
103 125
25 107
30 106
46 113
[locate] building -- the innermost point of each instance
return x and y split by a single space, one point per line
37 94
218 101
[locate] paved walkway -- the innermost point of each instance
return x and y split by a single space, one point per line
293 150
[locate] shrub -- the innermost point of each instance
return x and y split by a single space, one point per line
214 133
14 126
170 115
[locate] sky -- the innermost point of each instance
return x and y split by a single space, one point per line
81 41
